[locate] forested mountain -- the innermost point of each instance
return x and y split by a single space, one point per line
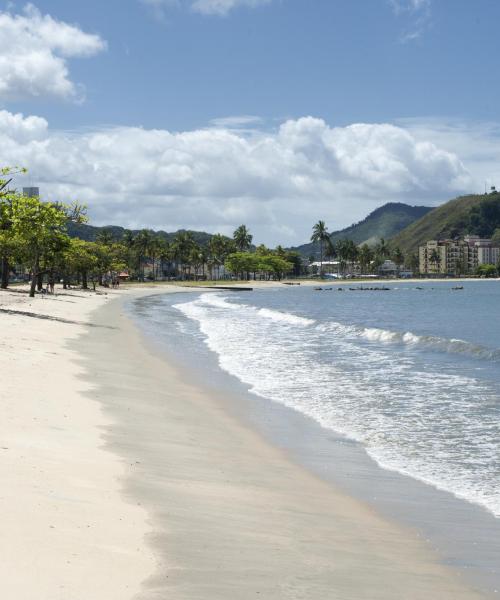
477 214
89 233
384 222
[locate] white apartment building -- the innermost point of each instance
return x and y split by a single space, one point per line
457 257
488 253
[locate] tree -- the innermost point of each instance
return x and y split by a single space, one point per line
7 244
240 263
320 235
105 237
435 259
398 257
413 262
81 258
242 238
219 248
182 247
274 265
487 270
36 226
341 254
365 258
142 246
382 249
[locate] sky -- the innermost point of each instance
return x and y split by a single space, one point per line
206 114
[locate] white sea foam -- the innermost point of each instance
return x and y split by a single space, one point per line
286 318
435 426
452 346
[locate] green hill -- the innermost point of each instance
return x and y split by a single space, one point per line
90 232
476 214
384 222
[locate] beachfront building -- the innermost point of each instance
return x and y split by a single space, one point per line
452 258
488 253
327 267
388 269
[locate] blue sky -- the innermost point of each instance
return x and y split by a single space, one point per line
270 112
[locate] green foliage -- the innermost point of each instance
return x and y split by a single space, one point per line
487 271
242 238
467 215
384 222
266 264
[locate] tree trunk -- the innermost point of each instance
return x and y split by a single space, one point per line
85 284
5 273
34 277
39 281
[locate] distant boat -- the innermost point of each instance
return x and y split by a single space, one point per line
458 287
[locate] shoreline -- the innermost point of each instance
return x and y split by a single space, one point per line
231 515
461 532
124 478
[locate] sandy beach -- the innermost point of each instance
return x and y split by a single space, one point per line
124 480
66 531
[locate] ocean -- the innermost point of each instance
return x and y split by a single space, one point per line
410 375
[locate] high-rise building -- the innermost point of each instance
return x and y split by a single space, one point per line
31 192
457 257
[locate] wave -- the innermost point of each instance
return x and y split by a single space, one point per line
285 318
282 317
451 346
438 426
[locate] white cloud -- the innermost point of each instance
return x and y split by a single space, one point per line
278 183
220 8
477 143
236 122
34 51
223 7
416 13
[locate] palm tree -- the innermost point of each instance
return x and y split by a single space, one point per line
342 250
351 252
142 243
164 255
242 238
382 249
105 237
320 234
154 251
435 259
365 257
398 257
182 246
219 248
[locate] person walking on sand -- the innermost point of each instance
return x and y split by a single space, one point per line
51 284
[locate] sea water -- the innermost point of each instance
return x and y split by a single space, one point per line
411 374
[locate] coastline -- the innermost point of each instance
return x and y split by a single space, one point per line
230 515
125 479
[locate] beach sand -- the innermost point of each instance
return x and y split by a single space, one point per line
66 532
122 479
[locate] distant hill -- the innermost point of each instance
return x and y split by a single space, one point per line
477 214
384 222
90 232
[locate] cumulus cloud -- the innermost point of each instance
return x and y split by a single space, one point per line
220 8
278 182
34 55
